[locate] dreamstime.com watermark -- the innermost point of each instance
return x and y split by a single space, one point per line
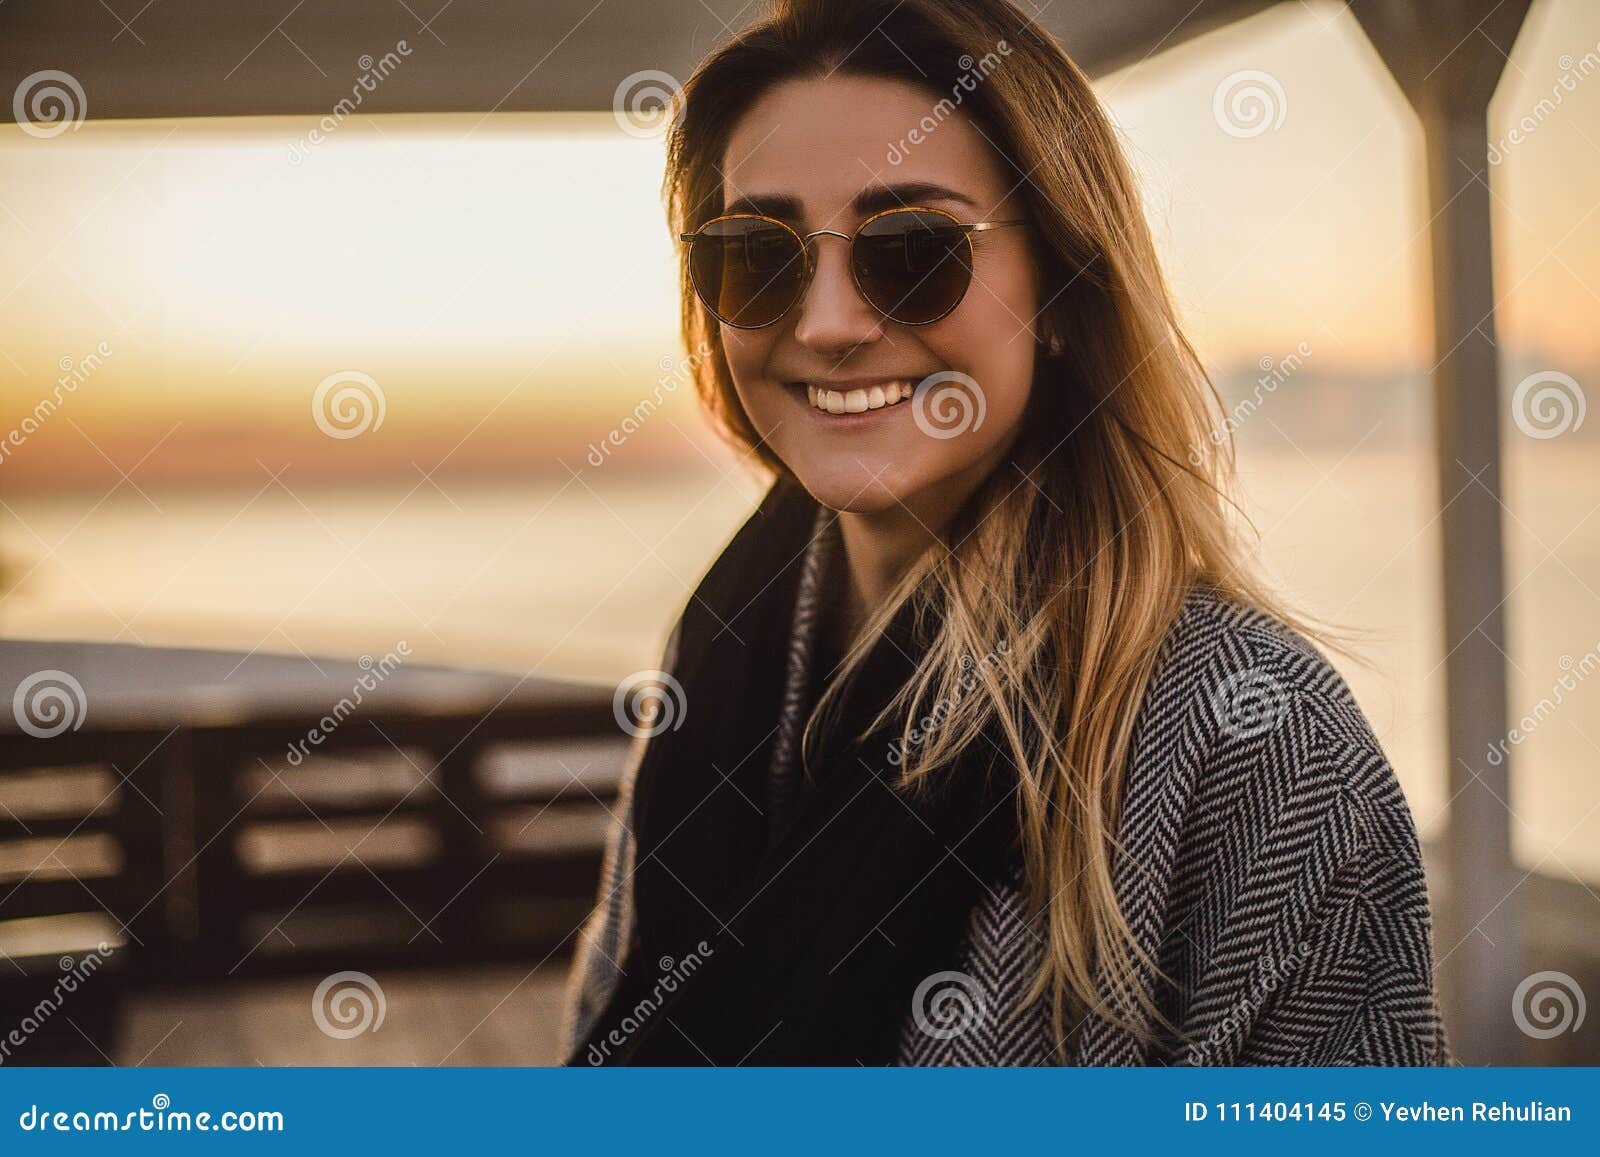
1249 703
948 404
373 73
1548 1004
347 1004
649 702
1248 103
159 1118
73 375
1573 672
1273 375
1548 404
947 1004
376 673
348 403
1529 123
48 103
673 973
74 973
1273 973
673 374
941 710
646 103
49 702
973 73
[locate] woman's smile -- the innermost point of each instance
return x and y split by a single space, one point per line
845 403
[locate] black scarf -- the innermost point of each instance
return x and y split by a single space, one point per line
801 938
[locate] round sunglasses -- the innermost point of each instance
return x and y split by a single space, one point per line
911 264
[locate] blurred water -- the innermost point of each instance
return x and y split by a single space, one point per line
583 578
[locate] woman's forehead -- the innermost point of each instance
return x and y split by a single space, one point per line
822 141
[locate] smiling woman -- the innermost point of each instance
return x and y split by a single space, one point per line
963 292
994 748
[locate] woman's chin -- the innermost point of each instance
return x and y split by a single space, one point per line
853 488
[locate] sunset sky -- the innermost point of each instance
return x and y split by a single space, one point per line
509 282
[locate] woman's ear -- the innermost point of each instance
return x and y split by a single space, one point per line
1051 343
1046 333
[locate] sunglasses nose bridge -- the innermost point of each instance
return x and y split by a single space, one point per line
810 276
811 256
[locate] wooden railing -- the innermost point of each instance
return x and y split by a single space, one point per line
182 863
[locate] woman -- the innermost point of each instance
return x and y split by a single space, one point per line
984 744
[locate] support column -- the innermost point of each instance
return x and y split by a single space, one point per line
1447 56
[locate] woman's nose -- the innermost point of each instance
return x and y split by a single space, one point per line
833 315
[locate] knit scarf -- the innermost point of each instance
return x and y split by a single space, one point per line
786 911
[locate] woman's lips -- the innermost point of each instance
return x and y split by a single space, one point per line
835 400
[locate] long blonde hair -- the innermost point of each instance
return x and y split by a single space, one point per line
1075 560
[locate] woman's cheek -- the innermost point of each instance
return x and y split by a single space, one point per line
746 363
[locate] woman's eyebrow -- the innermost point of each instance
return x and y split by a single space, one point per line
785 206
880 197
779 205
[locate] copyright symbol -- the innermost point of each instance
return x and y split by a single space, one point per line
1363 1111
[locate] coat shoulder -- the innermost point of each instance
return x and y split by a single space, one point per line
1245 721
1239 673
1269 823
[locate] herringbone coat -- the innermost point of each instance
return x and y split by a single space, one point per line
1269 863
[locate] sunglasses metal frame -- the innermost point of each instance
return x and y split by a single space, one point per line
804 241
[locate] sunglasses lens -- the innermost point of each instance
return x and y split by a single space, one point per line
746 270
914 265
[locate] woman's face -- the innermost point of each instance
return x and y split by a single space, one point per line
822 147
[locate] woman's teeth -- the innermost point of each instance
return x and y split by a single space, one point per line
856 401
